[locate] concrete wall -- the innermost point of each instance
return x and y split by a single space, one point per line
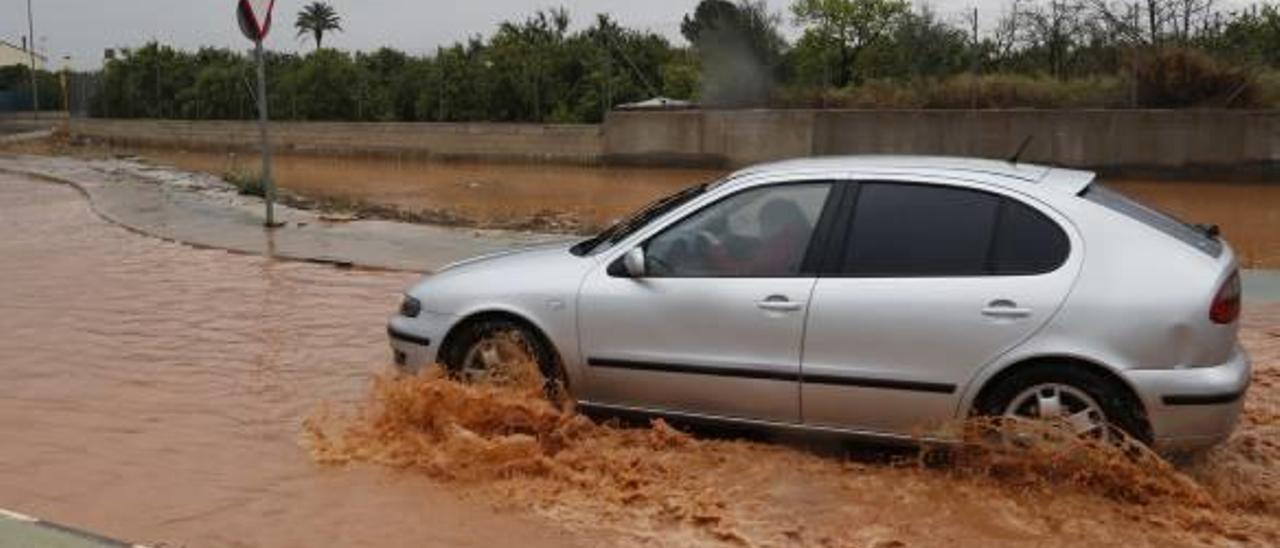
499 142
1185 140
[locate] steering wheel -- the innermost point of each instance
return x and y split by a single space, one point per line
704 241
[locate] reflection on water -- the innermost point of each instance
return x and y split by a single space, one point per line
154 392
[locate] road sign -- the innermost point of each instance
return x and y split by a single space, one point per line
255 22
255 18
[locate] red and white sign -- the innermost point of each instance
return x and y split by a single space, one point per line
255 18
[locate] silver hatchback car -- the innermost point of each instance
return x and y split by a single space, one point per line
870 296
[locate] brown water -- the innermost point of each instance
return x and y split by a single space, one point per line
520 194
158 393
488 194
155 392
584 198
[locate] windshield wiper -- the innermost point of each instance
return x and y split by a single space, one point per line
655 210
621 229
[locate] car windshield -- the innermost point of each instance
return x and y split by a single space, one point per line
628 226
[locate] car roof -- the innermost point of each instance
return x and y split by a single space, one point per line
1019 176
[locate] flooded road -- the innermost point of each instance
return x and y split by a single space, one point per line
492 195
559 198
154 392
1249 213
158 393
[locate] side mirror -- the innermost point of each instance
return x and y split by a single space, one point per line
630 265
634 263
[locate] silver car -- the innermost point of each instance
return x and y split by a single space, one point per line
872 296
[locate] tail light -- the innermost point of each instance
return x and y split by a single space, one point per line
1226 304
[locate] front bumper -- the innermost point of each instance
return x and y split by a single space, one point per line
415 342
1194 408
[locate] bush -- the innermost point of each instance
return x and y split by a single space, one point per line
1005 91
993 91
247 183
1180 78
1267 85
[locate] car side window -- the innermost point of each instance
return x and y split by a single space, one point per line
919 230
758 233
1027 242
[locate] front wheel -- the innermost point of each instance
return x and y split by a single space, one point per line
505 353
1085 403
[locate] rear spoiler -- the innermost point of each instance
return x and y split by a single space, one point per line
1068 181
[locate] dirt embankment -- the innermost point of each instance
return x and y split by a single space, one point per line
658 486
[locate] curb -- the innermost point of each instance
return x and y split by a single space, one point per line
93 206
62 532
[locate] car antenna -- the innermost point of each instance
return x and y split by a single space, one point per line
1021 148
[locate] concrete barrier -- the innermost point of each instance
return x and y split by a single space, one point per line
494 142
1179 142
1183 142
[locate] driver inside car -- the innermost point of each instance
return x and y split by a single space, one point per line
784 232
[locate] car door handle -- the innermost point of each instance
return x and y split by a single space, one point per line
778 303
1005 309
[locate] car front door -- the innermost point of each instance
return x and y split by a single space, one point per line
715 324
929 283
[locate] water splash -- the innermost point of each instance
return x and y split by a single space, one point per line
656 484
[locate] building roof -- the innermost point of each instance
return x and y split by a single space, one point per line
658 103
6 44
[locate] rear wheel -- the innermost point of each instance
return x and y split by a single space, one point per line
506 353
1085 403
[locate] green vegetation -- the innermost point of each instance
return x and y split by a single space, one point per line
247 183
15 89
315 19
850 53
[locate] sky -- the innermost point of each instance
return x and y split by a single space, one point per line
82 29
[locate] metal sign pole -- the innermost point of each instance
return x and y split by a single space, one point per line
268 184
31 50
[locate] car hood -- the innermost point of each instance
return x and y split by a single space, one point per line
515 255
542 269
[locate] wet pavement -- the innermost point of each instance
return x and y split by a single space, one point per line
204 211
155 392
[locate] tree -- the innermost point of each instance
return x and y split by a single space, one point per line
922 45
738 47
838 31
316 19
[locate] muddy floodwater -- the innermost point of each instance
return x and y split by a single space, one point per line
488 194
154 392
182 397
566 198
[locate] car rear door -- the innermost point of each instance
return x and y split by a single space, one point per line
929 283
716 326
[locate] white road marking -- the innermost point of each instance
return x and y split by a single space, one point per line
16 516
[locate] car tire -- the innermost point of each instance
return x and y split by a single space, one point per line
1119 407
454 355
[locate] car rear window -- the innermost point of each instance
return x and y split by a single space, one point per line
1187 233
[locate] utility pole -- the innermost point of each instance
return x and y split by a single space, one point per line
977 60
31 49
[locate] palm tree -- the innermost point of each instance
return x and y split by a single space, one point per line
316 19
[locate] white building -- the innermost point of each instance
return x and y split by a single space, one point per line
14 55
